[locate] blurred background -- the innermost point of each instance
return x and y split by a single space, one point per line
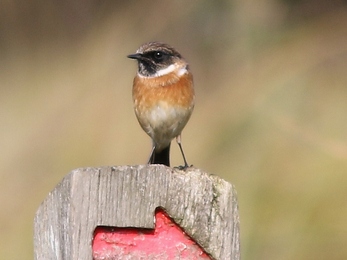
270 115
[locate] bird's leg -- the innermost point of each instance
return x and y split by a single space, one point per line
151 156
178 140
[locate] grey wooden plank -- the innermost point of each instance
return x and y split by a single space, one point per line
204 205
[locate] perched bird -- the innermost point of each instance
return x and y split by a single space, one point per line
163 96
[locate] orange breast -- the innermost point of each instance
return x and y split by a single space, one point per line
171 89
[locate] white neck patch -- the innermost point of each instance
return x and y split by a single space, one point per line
182 71
165 71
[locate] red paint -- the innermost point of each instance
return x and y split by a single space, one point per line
166 241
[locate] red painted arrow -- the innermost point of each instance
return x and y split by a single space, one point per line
166 241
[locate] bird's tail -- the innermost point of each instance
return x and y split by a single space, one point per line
162 157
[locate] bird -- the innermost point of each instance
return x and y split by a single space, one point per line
163 97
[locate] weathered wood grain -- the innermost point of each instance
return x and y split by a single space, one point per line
204 205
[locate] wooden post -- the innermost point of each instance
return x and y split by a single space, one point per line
203 205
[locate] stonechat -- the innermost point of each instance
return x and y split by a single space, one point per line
163 96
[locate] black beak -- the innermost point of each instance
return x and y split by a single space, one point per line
135 56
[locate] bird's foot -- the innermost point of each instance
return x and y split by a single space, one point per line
183 167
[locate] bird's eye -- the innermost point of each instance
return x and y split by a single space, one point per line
158 55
